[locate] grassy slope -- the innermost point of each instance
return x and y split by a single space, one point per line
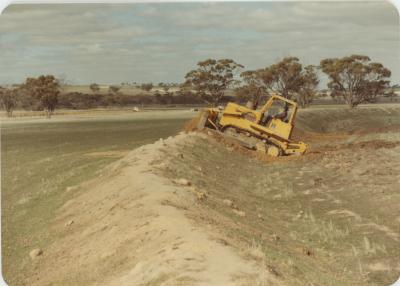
40 160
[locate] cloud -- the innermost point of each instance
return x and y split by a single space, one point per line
161 42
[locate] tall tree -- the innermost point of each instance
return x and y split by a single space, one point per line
308 88
284 77
355 78
46 89
8 99
253 89
211 79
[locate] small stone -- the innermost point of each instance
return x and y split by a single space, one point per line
183 182
35 253
227 202
201 196
307 251
69 223
275 237
260 216
70 189
239 213
317 182
222 241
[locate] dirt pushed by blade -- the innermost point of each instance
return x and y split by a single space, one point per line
129 228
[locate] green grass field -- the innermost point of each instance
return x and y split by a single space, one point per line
42 158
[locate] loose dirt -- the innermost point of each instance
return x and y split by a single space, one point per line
128 229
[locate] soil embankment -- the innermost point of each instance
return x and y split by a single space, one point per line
192 211
126 228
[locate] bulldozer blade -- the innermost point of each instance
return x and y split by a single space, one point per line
202 120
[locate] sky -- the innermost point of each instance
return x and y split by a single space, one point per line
161 42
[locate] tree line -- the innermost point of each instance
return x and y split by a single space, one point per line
46 92
353 79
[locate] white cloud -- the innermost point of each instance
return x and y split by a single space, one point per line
161 42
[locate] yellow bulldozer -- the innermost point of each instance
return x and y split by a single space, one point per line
267 130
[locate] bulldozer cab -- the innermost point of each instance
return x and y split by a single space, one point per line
278 107
278 115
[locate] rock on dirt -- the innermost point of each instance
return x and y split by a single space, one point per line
69 223
35 253
71 189
239 213
183 182
200 195
227 202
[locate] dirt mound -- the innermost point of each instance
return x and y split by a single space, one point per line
129 229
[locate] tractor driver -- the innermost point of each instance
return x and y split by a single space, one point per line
282 116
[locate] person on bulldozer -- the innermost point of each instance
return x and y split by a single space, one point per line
282 115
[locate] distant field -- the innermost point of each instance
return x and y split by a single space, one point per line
41 158
72 114
128 90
